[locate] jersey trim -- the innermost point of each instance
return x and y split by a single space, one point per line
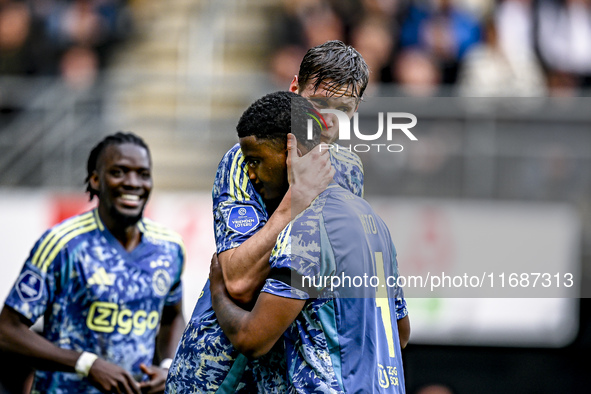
65 240
238 177
284 240
154 230
98 220
234 375
56 233
60 236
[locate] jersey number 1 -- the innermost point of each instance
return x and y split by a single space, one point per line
382 302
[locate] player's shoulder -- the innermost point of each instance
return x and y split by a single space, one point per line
160 232
232 181
340 201
314 210
310 220
79 221
231 157
336 191
68 231
344 155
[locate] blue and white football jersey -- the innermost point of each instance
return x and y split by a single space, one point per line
345 339
205 360
95 296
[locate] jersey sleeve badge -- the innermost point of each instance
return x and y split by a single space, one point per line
29 286
243 219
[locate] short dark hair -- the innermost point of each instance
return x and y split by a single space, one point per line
335 64
118 138
274 115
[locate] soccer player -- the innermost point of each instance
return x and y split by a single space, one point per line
247 221
337 340
334 76
107 283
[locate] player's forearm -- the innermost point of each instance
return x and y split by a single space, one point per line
404 331
252 333
16 337
247 266
233 320
171 331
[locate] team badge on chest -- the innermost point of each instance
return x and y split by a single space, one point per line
161 282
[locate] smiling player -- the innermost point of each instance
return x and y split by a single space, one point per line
106 281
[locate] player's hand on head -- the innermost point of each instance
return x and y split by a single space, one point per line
308 175
110 378
157 379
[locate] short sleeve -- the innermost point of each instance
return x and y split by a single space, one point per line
38 280
400 302
175 295
295 259
238 211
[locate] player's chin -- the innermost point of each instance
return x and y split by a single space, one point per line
129 216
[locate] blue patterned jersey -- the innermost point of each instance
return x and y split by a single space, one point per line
346 337
239 211
205 360
348 169
95 296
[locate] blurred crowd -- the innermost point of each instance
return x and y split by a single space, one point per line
473 47
67 38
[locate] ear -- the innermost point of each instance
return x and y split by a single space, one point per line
294 86
94 181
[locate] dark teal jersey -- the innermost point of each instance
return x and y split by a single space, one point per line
339 257
95 296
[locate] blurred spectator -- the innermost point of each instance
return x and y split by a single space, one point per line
285 65
417 73
374 40
308 23
387 8
79 67
515 27
35 34
15 22
80 24
322 24
302 24
489 71
562 84
443 30
565 36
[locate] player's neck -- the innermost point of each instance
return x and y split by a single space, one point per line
124 230
129 237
